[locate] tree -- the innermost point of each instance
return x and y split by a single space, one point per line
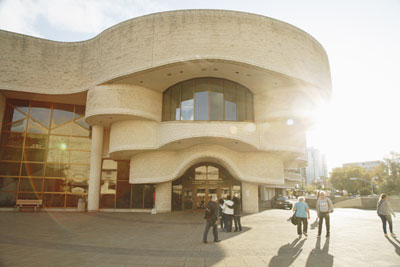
388 174
351 179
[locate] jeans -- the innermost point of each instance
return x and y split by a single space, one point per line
305 225
387 218
214 225
236 219
321 216
228 222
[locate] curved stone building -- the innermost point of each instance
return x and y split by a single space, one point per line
161 111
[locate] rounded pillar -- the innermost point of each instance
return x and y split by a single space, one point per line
95 167
163 197
250 197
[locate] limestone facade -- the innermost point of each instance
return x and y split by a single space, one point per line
126 69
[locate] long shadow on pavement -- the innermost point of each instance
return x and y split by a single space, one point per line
396 246
287 253
318 257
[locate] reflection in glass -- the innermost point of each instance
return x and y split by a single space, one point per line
10 168
58 156
123 195
32 169
80 128
57 170
148 196
8 199
59 142
166 108
80 143
187 101
81 157
72 200
34 155
137 196
175 102
201 100
79 171
123 170
61 114
8 184
18 126
54 185
216 100
12 139
76 185
35 127
30 185
36 141
230 101
53 200
29 196
201 173
249 105
41 112
10 153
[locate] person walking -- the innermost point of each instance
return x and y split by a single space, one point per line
324 207
236 213
302 214
228 213
222 214
211 216
385 211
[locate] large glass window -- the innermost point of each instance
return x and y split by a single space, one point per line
208 99
117 192
44 152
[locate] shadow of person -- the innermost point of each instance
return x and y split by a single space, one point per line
318 257
287 254
314 224
396 246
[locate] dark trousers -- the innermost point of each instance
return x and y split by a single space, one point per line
305 225
385 218
322 216
214 225
222 221
236 218
228 222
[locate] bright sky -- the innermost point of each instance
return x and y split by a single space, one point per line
361 37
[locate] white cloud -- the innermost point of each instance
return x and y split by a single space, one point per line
89 16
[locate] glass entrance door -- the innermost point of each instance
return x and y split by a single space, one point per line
199 183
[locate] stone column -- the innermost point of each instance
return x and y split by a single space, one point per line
2 108
163 197
250 197
95 167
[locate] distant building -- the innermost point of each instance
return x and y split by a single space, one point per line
316 165
367 165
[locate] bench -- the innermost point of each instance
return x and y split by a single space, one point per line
35 203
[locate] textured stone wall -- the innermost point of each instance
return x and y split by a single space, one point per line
163 197
163 166
36 65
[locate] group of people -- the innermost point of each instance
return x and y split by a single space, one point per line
224 211
324 207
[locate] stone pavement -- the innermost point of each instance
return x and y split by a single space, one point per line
175 239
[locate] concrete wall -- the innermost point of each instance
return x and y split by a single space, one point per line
36 65
163 197
249 197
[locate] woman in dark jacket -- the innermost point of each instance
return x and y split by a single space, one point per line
236 213
384 210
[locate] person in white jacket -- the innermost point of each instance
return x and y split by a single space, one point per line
228 210
324 207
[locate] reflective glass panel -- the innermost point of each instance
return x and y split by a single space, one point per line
32 169
137 196
12 139
166 110
10 153
187 101
29 196
80 143
81 157
123 195
123 170
72 200
8 199
34 155
58 156
59 142
10 168
53 200
107 201
57 170
80 128
201 173
76 185
175 102
241 103
36 141
41 112
201 100
61 114
30 185
212 173
249 106
18 126
8 184
148 197
216 100
35 127
230 101
79 171
54 185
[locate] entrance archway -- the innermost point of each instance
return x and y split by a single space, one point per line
194 189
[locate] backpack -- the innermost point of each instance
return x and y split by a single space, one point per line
209 213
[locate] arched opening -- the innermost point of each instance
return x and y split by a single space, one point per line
194 189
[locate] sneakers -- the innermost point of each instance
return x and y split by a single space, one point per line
318 236
385 235
393 235
305 234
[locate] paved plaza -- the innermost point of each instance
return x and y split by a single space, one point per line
175 239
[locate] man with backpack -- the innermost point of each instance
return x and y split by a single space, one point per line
211 216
